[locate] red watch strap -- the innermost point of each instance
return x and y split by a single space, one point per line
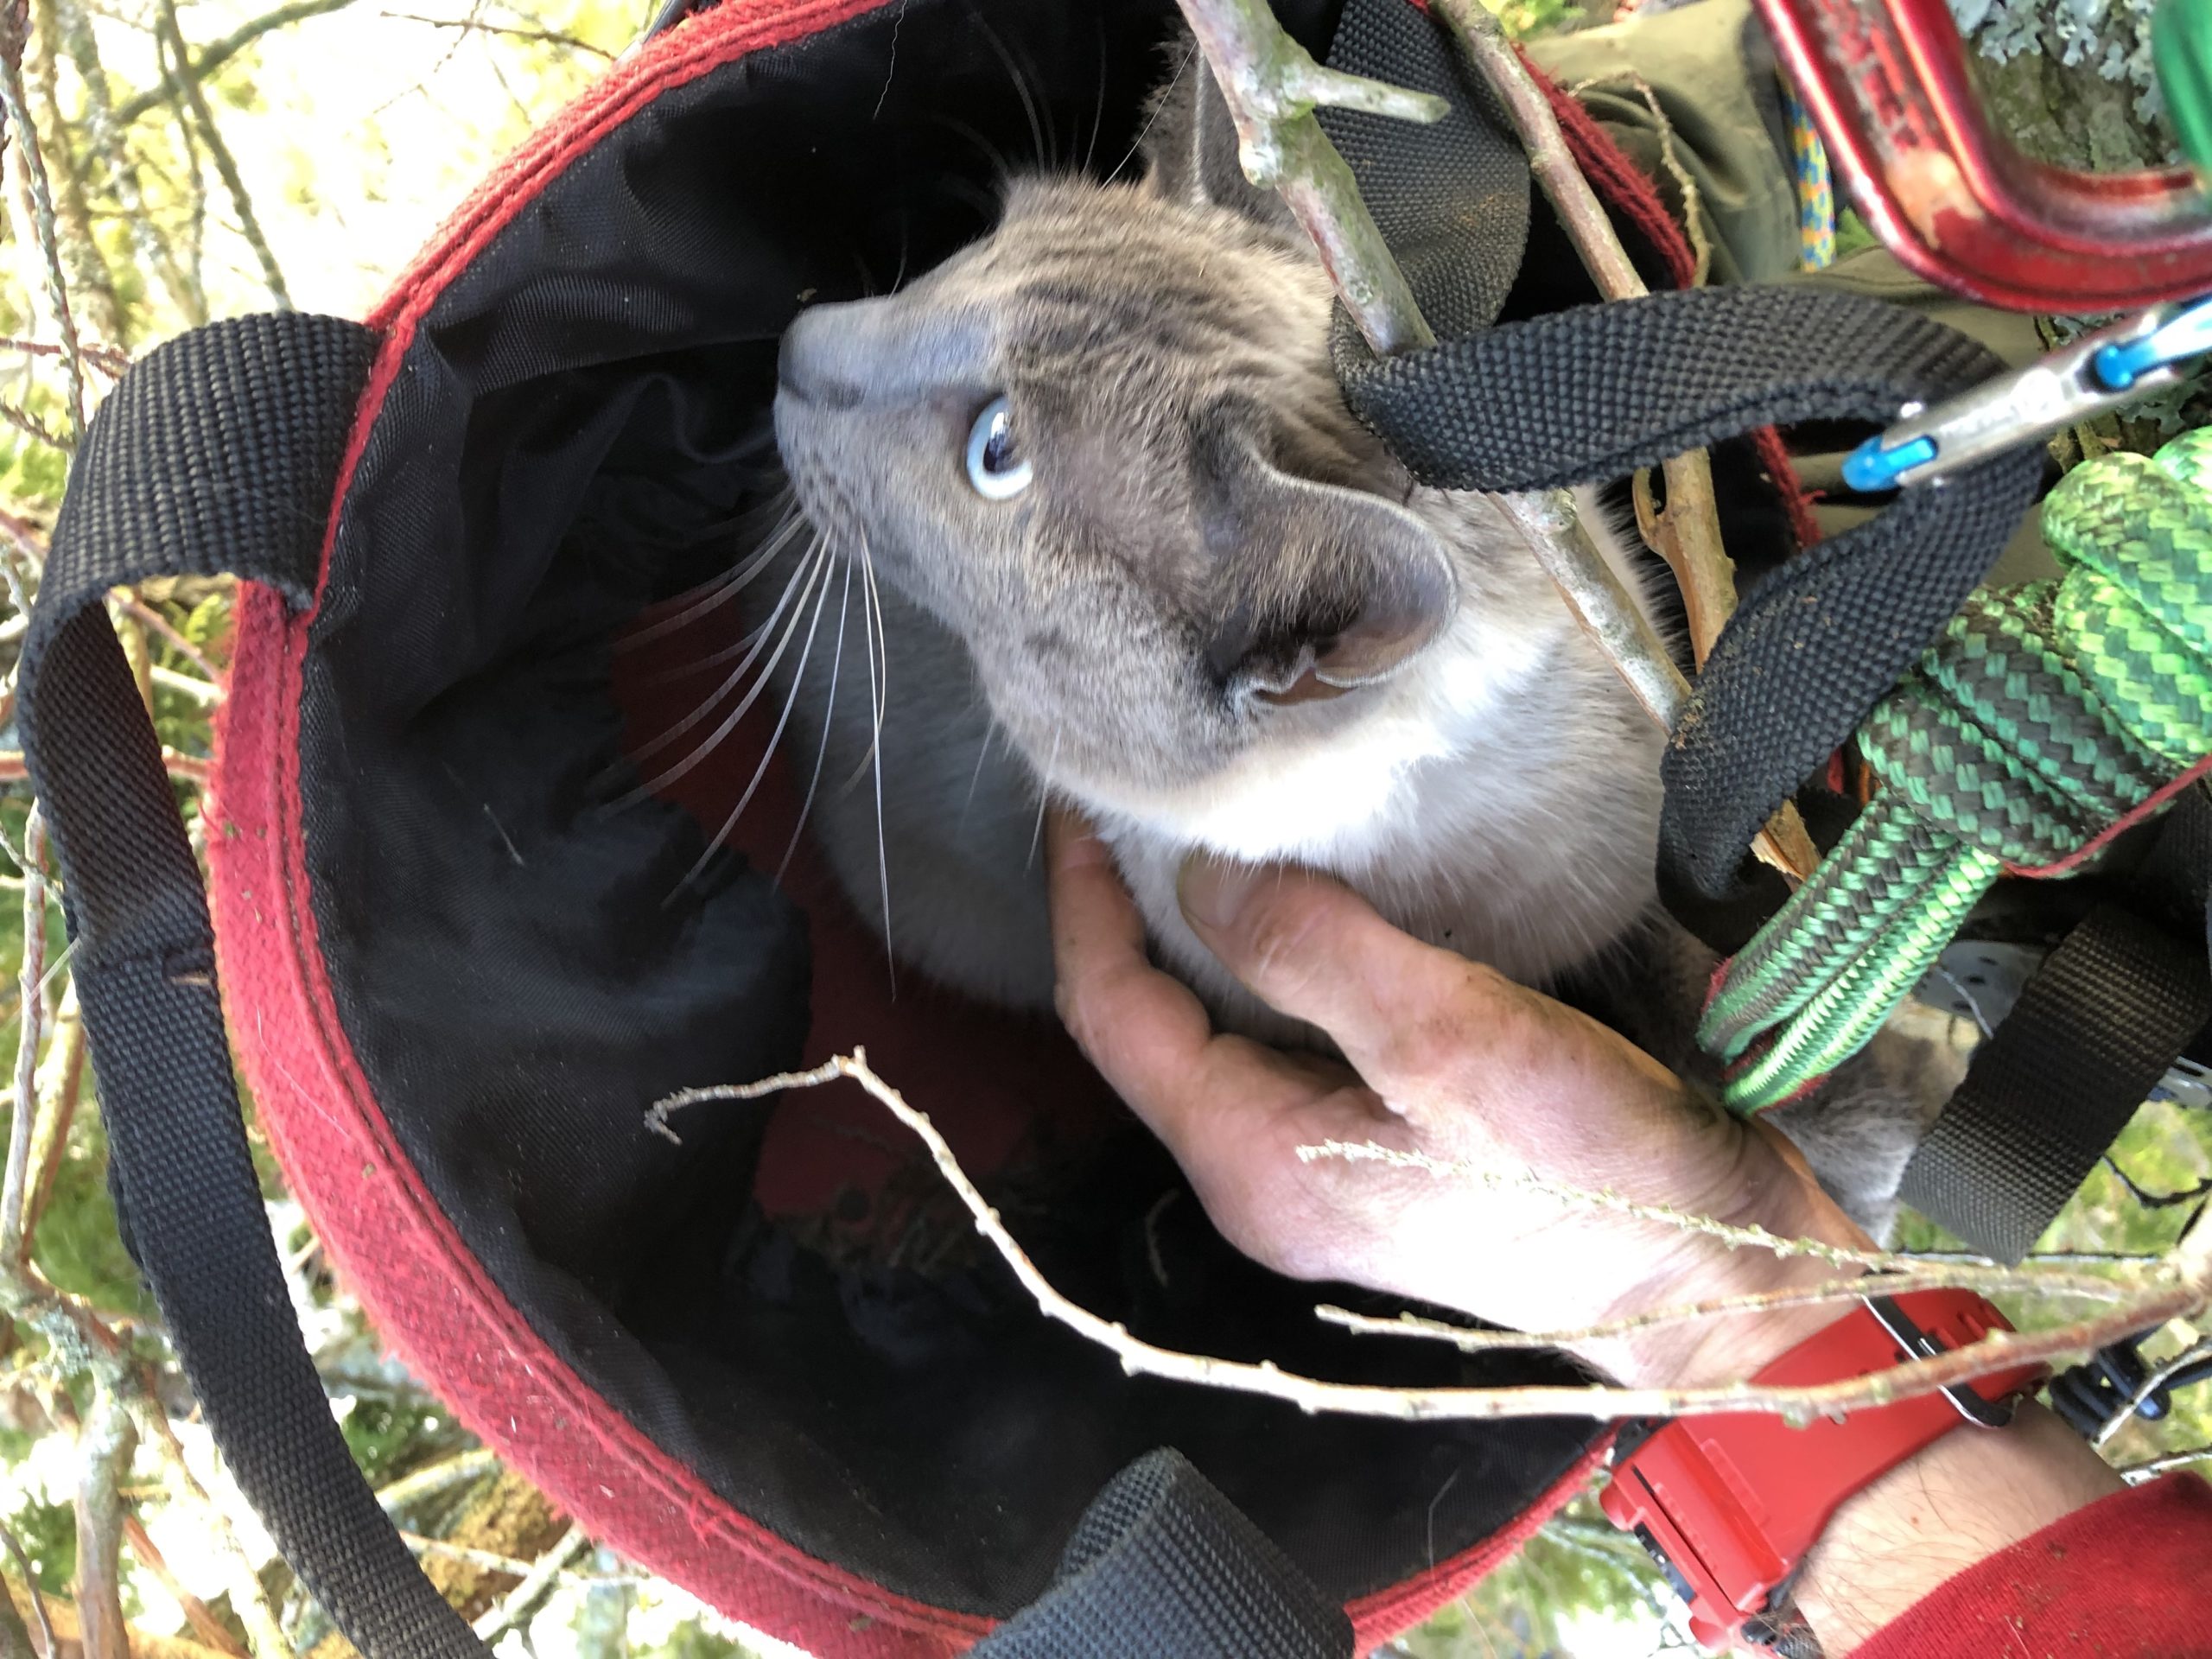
1730 1504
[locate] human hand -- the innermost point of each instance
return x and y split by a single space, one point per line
1447 1058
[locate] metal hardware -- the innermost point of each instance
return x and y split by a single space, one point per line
2099 372
1918 1344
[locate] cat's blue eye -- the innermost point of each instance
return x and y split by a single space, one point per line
996 466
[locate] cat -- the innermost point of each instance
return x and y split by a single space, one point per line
1119 541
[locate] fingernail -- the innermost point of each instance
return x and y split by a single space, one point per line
1212 891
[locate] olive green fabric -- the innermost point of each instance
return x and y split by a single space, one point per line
1710 72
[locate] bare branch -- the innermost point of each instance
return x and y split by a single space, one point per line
2125 1413
216 53
15 1620
478 26
110 361
103 1444
148 617
1468 1339
227 167
1272 87
31 988
523 1600
17 109
442 1476
2181 1283
191 768
106 138
1688 533
249 1599
197 1613
33 428
2136 1473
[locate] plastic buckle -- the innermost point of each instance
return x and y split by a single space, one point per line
2099 372
1918 1344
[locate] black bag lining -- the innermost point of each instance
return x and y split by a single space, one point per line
578 428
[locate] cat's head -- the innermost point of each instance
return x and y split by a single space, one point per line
1105 448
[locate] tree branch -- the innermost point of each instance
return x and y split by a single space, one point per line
2179 1284
1468 1339
227 167
1272 87
31 1028
197 1613
11 1626
216 53
16 108
103 1443
1687 534
523 1600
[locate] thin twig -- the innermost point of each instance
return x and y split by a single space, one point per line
2178 1285
197 1613
153 619
216 53
249 1597
30 1584
477 25
203 692
442 1476
2158 1379
2136 1473
227 167
30 989
191 768
110 361
1690 536
103 1443
1468 1339
522 1601
60 1088
1272 87
17 108
34 429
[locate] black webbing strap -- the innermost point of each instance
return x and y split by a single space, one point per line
218 453
2092 1033
1591 394
1163 1566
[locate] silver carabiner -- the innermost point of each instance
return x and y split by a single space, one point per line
2106 370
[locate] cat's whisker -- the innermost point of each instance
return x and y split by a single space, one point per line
1166 97
1043 799
748 645
757 639
1001 168
878 638
719 590
877 689
775 737
990 731
1098 113
829 719
819 561
1046 152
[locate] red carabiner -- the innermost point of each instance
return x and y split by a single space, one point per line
1888 84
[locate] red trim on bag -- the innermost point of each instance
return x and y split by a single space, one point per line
425 1293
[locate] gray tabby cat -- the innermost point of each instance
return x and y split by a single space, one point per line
1134 552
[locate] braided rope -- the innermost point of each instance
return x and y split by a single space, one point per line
2044 715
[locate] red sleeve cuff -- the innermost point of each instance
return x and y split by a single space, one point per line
2124 1579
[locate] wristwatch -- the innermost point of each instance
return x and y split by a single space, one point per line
1730 1504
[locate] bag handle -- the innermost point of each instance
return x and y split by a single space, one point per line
217 454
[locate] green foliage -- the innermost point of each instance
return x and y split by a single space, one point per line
78 1246
1522 18
47 1533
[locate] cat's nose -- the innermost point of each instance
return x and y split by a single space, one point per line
817 362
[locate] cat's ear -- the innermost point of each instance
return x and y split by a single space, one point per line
1190 145
1316 589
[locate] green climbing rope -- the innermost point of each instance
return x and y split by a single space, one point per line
2044 715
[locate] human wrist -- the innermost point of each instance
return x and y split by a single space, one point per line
1768 1189
1955 1502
